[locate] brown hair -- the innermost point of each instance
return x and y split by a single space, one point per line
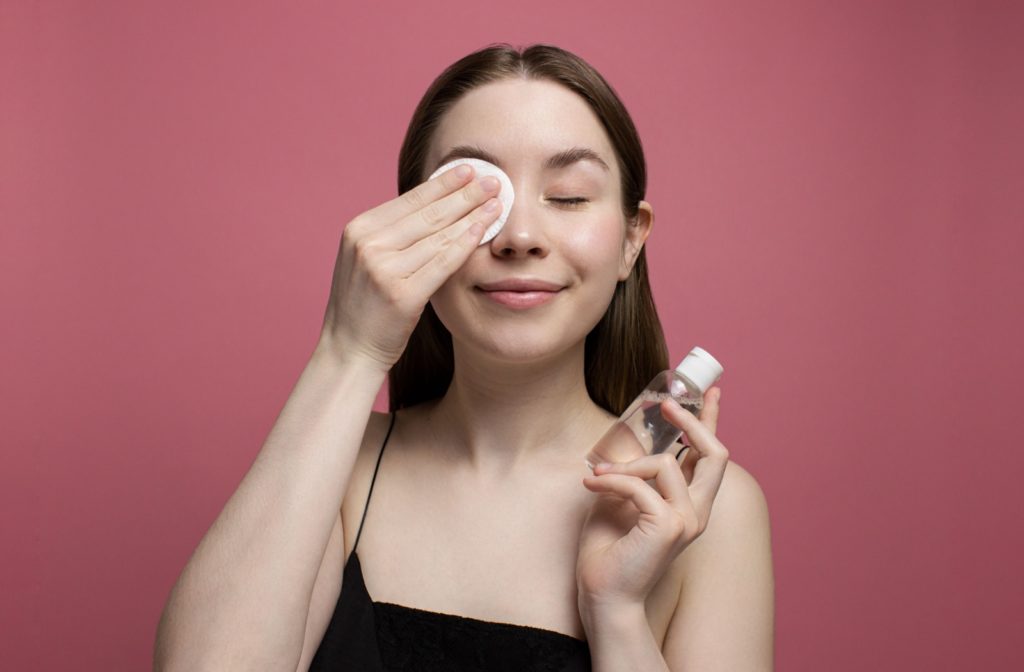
627 347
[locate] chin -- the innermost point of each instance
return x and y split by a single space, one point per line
517 344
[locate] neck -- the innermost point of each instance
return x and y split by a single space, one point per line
498 415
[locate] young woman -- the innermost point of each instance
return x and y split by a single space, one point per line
484 542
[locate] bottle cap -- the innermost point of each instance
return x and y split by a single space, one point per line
700 368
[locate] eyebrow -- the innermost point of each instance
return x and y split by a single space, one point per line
563 159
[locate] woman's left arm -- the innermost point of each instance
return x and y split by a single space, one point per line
649 512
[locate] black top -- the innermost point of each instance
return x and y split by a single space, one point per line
368 636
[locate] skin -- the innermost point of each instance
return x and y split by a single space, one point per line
483 506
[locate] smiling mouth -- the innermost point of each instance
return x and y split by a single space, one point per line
519 297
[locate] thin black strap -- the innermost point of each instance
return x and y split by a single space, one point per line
374 480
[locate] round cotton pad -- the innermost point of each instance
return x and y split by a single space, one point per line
506 194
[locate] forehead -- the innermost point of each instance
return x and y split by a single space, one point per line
522 122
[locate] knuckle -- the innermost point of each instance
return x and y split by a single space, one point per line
432 214
362 220
677 526
666 460
352 232
445 238
415 198
379 279
464 243
443 258
363 248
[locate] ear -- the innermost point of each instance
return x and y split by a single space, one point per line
637 230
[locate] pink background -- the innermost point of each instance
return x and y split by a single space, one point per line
837 188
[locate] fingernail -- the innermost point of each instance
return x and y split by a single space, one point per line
489 183
491 205
603 465
463 171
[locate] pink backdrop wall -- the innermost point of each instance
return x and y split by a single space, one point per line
837 189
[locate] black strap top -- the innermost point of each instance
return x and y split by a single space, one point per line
368 636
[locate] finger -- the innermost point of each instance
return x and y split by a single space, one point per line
690 458
709 465
678 447
439 214
643 496
419 196
418 255
663 468
697 433
709 414
447 260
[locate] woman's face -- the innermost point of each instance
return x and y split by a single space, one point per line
539 287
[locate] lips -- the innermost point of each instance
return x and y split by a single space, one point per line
520 285
520 293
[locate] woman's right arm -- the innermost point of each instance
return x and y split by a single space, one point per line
242 600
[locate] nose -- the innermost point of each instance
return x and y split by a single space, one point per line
523 234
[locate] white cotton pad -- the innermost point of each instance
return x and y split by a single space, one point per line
506 194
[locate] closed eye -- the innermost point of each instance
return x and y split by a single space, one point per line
571 202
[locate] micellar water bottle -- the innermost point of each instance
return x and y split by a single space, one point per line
641 429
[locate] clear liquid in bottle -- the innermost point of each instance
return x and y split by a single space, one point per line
642 429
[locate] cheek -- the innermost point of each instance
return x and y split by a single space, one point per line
597 243
469 273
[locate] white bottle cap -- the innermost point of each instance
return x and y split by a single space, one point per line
700 368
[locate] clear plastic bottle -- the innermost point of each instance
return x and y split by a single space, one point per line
641 429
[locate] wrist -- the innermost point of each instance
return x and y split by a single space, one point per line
332 352
601 618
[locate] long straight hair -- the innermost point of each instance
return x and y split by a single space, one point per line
627 347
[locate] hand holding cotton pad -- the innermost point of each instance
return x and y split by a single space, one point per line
506 194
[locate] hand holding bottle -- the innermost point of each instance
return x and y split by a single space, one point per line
394 257
636 528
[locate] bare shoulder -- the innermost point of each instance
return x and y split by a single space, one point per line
724 616
740 499
739 515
